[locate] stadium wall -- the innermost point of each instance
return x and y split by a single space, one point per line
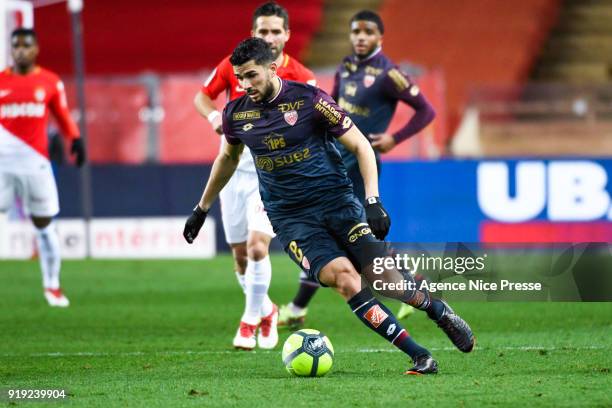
564 200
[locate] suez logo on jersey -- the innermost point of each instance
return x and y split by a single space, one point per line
22 110
573 190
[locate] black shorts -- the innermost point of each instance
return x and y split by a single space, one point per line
313 238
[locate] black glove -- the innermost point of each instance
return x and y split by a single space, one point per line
194 224
377 217
78 149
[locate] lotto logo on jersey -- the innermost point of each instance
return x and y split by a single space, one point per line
375 315
22 110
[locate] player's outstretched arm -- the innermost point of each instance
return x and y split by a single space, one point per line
206 107
377 216
223 168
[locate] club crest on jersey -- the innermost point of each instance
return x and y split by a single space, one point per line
39 94
291 117
375 315
368 80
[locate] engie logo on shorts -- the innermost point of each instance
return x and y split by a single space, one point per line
375 315
358 231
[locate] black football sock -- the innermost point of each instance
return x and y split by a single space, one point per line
422 300
380 319
305 293
435 310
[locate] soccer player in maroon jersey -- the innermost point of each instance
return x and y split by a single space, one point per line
28 93
323 226
247 228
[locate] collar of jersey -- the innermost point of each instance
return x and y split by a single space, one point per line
35 71
280 91
375 53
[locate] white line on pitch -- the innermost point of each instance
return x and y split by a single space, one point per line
204 352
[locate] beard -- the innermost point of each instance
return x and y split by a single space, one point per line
276 51
268 91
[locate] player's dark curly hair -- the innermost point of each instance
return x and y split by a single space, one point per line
254 49
369 15
18 32
272 9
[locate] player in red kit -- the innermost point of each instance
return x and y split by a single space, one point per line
28 93
247 228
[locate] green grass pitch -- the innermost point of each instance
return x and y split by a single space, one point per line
158 333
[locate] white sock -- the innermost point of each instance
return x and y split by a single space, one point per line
240 279
257 281
49 255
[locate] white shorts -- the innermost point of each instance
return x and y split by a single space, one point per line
241 208
36 189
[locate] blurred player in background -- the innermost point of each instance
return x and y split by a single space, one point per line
319 221
367 85
28 93
246 225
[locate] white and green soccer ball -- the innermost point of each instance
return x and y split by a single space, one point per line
308 353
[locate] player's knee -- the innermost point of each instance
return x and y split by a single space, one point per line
348 283
257 249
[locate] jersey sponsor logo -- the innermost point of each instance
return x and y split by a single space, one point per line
39 94
329 112
391 329
291 117
5 92
271 163
22 110
264 163
289 106
246 115
353 109
376 316
344 74
350 88
248 127
274 141
369 70
350 66
414 90
358 231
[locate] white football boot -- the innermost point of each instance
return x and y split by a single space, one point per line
267 338
56 298
245 337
